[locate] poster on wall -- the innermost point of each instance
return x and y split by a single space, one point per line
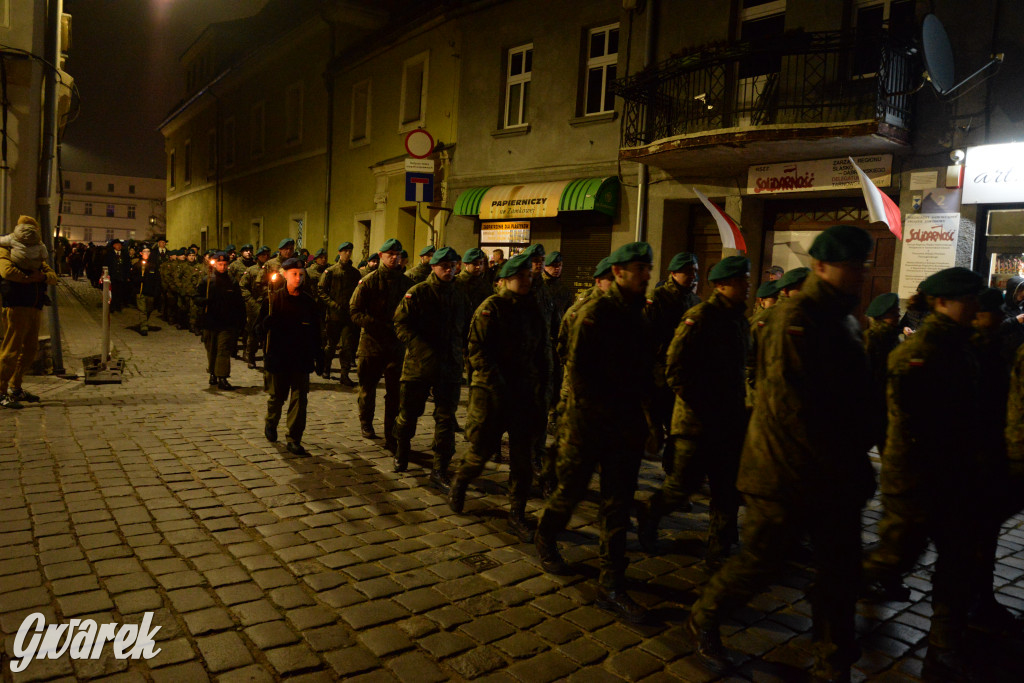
929 245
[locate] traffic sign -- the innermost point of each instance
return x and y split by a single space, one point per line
419 143
419 187
419 165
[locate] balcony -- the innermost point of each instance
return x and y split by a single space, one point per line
800 96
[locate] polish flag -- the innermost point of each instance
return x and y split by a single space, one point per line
727 228
880 207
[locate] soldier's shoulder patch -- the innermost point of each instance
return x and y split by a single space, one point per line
690 321
760 323
486 312
408 295
588 322
650 301
796 330
360 281
916 362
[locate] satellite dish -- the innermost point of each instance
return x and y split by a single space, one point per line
938 57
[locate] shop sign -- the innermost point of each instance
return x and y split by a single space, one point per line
818 174
529 200
994 174
510 232
929 245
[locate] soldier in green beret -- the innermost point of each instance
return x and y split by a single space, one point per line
881 337
804 469
372 263
335 291
473 282
791 281
316 269
420 271
767 296
933 376
431 320
254 285
238 267
510 353
665 308
609 376
285 250
194 271
219 301
561 298
168 298
380 352
706 373
542 464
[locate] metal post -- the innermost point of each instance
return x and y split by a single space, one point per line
105 343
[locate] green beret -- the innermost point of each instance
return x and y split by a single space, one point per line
634 251
285 242
263 250
517 263
472 254
553 258
345 245
320 252
603 268
882 304
841 243
952 282
404 254
444 254
246 247
230 247
681 260
730 266
768 290
991 300
390 245
792 277
534 250
427 250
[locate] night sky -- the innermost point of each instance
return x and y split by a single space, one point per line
124 59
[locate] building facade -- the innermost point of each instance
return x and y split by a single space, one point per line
96 207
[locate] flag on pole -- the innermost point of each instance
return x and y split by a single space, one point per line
727 228
880 207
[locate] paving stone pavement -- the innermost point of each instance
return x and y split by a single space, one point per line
161 495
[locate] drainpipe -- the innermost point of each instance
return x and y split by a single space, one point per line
329 77
44 180
644 176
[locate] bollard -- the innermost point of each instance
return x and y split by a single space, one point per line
100 369
105 348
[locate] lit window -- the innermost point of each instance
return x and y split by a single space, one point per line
360 112
517 84
602 58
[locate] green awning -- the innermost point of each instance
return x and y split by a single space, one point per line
535 200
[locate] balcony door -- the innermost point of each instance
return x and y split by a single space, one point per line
761 23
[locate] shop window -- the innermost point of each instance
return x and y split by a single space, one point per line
1005 223
414 92
228 143
293 114
602 58
518 73
360 129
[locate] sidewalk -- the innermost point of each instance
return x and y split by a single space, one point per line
162 495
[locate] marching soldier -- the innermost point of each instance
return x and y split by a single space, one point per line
238 267
665 309
767 296
254 285
145 281
168 300
880 339
431 321
608 372
561 299
542 464
380 351
510 353
371 265
315 270
420 272
285 250
188 278
335 289
804 467
218 300
472 281
790 282
927 462
706 365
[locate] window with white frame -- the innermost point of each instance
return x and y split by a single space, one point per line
414 91
360 131
65 206
227 148
131 211
519 68
186 173
602 59
293 114
257 130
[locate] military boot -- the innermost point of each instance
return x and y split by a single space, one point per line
621 604
518 523
401 451
550 559
647 526
345 381
457 495
707 641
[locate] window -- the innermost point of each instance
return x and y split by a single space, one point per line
211 152
414 92
227 148
110 187
131 189
170 170
186 173
760 23
67 184
88 209
110 210
87 235
110 234
65 207
517 84
293 114
131 211
360 112
873 18
257 130
602 57
88 185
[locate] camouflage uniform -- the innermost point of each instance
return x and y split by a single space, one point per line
238 267
188 279
804 467
542 296
706 373
380 351
313 274
431 321
418 273
665 308
879 340
510 353
608 373
168 299
254 284
336 286
477 289
758 322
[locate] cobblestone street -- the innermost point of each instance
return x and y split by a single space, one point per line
162 495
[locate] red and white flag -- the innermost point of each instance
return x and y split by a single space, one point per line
880 207
727 228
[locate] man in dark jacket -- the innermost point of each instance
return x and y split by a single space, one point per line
290 326
219 305
1012 329
475 284
431 321
380 351
145 283
335 291
117 268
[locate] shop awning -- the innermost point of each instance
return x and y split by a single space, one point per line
540 200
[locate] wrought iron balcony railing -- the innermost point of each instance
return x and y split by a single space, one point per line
798 78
